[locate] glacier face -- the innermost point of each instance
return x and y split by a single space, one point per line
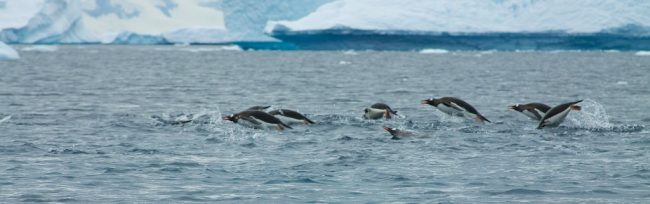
246 19
7 53
473 16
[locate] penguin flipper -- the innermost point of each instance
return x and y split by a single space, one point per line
251 120
537 115
451 105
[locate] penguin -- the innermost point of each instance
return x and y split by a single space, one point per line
556 115
398 134
256 119
290 117
259 108
534 111
377 111
456 107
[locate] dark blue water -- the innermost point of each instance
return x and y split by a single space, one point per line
345 39
97 123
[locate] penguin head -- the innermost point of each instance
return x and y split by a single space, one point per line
516 107
390 130
231 117
431 101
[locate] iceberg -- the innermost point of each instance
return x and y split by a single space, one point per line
109 21
334 24
146 21
470 25
134 38
57 21
7 53
246 20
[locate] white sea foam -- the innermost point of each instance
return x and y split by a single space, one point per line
433 51
592 116
40 48
5 119
642 53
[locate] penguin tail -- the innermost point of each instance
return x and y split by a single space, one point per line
577 101
481 118
387 114
307 121
540 126
285 125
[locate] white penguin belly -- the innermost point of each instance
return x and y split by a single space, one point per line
450 110
557 119
289 120
374 113
249 124
261 124
531 114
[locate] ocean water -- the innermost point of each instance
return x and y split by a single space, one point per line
100 124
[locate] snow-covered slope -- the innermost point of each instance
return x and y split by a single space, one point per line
110 18
94 21
475 16
7 53
144 21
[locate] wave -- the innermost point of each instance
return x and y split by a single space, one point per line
642 53
5 119
40 48
433 51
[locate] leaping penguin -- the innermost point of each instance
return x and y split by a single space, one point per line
256 119
534 111
456 107
377 111
290 117
557 114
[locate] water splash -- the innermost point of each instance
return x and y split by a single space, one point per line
592 116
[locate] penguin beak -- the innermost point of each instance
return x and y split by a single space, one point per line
424 102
